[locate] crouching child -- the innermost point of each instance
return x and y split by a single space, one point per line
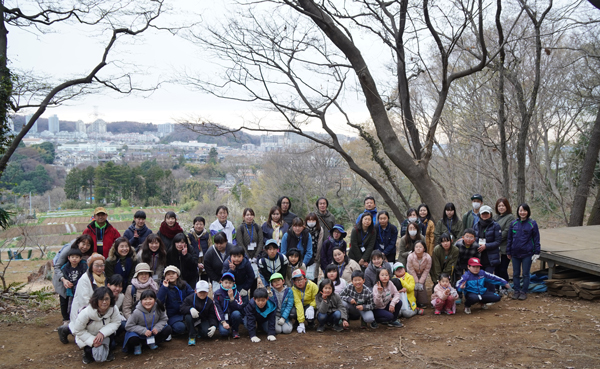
260 314
199 314
228 307
305 292
147 324
330 308
283 297
472 284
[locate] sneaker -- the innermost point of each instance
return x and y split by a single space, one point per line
523 296
87 360
467 310
484 307
235 335
437 312
420 311
515 295
153 346
337 328
449 312
169 339
137 350
363 324
110 357
320 328
63 334
192 341
395 323
458 301
374 325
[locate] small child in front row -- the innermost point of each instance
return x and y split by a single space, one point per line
199 309
146 324
283 297
294 262
472 284
444 296
71 271
387 300
228 306
260 313
305 292
330 308
405 282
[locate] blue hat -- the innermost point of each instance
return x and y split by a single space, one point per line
340 228
271 242
228 274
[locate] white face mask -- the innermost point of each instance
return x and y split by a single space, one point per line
311 224
476 205
412 219
412 232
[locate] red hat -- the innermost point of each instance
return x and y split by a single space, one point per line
474 262
298 273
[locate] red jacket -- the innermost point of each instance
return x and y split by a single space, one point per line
110 235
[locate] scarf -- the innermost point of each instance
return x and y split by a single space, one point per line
99 279
483 226
275 227
149 283
170 232
314 235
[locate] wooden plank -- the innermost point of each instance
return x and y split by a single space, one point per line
589 285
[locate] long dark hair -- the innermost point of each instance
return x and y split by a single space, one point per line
150 293
146 252
326 282
178 238
116 244
410 244
84 238
170 214
270 218
428 217
449 206
333 268
359 225
504 201
379 272
343 250
313 216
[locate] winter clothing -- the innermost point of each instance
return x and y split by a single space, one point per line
250 237
206 314
469 220
364 298
134 292
475 287
373 213
172 297
383 300
103 238
124 266
213 262
361 244
371 273
58 262
187 264
386 241
228 229
288 218
441 301
490 230
428 230
267 267
136 242
84 292
442 262
454 228
284 301
243 273
334 303
138 325
465 253
408 282
303 243
304 298
523 239
268 230
345 269
419 268
290 270
327 250
89 323
156 266
225 306
504 221
326 221
404 226
317 236
200 241
256 317
406 249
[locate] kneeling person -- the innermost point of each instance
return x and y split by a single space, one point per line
260 313
283 297
305 292
199 309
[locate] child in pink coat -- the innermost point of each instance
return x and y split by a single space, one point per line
418 264
444 296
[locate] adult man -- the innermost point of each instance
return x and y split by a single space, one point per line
326 219
102 232
285 204
370 207
471 217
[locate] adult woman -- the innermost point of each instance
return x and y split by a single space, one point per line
387 235
411 217
94 326
407 242
317 235
121 260
168 229
344 264
154 254
362 240
444 258
250 237
523 248
274 228
184 257
137 231
489 234
450 223
86 285
504 217
427 226
223 225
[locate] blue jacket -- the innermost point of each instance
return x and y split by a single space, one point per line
172 297
523 239
386 239
304 244
142 234
243 273
223 305
256 316
475 283
493 239
373 213
286 305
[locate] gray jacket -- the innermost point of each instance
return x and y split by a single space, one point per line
136 324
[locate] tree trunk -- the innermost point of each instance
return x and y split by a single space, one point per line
594 218
502 105
587 174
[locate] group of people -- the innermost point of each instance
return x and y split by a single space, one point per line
289 272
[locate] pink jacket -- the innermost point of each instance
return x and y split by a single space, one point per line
438 292
389 293
419 269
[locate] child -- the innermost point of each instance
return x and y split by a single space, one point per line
387 300
228 306
184 257
199 309
284 300
335 239
273 263
142 281
358 300
172 293
238 264
333 274
121 260
419 265
444 296
330 308
467 249
147 324
305 292
294 263
473 285
71 271
405 283
377 262
260 313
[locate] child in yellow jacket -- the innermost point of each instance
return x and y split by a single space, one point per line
405 282
305 292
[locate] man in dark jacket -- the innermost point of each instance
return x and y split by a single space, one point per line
102 232
370 207
285 204
214 258
137 231
489 236
326 219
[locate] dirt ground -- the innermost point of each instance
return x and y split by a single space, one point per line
541 332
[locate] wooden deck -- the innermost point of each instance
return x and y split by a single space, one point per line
573 247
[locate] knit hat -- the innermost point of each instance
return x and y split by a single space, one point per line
340 228
275 276
142 268
271 242
298 273
202 286
398 265
95 256
172 268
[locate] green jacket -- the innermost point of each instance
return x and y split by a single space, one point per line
455 228
504 221
442 263
468 221
361 245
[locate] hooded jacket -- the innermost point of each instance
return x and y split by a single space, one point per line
137 324
304 298
224 305
302 243
125 266
89 323
284 307
173 297
243 273
371 273
109 235
142 234
523 239
493 237
475 283
206 308
256 317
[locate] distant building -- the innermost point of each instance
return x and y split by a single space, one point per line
99 126
53 124
80 127
166 128
33 129
249 147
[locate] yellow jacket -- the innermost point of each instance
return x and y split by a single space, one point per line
408 282
308 298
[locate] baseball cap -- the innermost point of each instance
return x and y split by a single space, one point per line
202 286
398 265
100 210
275 276
474 262
477 197
298 273
485 209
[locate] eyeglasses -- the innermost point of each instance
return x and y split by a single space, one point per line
106 299
100 266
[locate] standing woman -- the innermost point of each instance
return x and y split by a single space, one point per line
387 235
362 240
317 235
449 223
223 225
250 237
523 248
407 242
411 217
168 229
154 254
274 228
427 226
184 257
504 217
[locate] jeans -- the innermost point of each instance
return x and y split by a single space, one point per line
195 330
354 313
331 318
235 319
518 264
490 269
473 298
384 315
177 324
502 269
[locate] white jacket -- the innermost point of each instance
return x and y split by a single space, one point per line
83 293
89 323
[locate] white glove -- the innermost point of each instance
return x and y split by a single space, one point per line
254 261
534 258
310 313
271 338
281 321
194 313
243 293
255 339
301 328
211 331
419 286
